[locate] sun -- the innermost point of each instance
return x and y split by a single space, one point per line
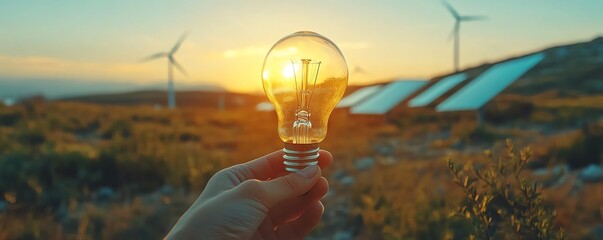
289 71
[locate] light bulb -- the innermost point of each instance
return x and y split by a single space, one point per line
304 76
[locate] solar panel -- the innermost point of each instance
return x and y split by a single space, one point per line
264 107
358 96
437 90
388 97
490 83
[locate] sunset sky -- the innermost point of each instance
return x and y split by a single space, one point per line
103 40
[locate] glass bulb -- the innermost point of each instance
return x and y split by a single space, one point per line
304 76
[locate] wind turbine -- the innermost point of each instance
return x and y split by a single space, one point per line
171 64
359 70
456 31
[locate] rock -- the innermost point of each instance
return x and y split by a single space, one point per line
3 206
383 149
387 161
560 170
592 173
162 194
555 171
541 172
364 163
347 180
552 177
330 193
62 213
343 235
596 232
339 174
576 187
104 194
166 190
457 145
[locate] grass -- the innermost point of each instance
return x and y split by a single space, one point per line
57 157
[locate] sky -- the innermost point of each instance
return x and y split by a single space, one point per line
102 41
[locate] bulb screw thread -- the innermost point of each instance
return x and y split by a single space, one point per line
300 156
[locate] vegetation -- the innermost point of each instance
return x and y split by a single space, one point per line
84 171
585 150
500 203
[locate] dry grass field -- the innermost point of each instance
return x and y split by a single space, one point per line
85 171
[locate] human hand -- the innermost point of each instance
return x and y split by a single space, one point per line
257 200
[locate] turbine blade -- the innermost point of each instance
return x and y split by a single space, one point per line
177 45
154 56
178 66
473 18
454 13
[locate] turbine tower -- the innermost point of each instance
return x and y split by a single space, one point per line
456 31
171 64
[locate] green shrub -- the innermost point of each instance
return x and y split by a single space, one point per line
49 180
120 127
9 117
500 203
32 137
586 150
508 110
480 135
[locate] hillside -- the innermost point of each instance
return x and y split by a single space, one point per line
118 168
197 99
567 70
564 90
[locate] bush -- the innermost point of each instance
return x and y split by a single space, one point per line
47 181
9 117
508 110
32 137
586 150
500 203
118 127
480 135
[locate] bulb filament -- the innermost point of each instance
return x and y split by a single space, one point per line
302 124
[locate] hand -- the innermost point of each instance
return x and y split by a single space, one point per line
257 200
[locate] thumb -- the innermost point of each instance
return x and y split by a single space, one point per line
288 186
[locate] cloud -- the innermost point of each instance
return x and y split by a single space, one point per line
32 63
47 67
44 66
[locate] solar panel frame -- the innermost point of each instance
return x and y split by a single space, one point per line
437 90
358 96
486 86
388 97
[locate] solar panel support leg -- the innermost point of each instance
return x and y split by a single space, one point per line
480 117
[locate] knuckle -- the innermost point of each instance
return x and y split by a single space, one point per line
232 174
290 183
224 173
254 189
251 186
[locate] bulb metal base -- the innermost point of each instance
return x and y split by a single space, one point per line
299 156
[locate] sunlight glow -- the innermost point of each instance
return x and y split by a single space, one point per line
289 71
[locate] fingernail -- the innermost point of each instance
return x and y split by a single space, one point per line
309 171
